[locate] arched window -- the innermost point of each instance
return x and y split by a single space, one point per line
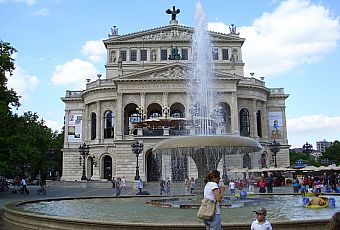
244 123
93 125
259 123
109 122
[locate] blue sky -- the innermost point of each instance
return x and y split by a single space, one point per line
294 44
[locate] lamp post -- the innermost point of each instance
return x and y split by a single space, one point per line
84 152
307 148
137 148
275 148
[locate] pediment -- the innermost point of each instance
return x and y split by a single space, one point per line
175 71
168 33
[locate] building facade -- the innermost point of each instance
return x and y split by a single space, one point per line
321 146
143 97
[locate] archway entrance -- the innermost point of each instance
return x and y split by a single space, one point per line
107 167
153 166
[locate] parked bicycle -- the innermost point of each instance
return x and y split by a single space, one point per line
4 186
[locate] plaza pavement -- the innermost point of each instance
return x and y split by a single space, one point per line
94 188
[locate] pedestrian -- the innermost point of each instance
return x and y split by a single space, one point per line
214 192
251 183
261 222
162 186
296 185
232 187
270 183
192 185
140 186
262 185
123 182
113 182
187 185
168 186
118 186
24 186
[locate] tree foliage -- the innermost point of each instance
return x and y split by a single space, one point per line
332 153
27 145
294 156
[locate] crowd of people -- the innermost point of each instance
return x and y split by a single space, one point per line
316 183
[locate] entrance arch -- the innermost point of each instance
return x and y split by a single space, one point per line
153 166
107 167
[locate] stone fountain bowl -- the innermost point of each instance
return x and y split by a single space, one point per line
228 143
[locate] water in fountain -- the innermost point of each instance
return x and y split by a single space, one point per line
200 84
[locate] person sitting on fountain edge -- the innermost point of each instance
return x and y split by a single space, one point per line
214 192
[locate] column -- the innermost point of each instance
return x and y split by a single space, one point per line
119 117
98 128
235 129
67 114
284 125
253 128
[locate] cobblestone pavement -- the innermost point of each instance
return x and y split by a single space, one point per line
91 188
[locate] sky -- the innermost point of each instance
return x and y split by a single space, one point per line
294 44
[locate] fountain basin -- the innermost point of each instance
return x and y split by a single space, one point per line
132 213
229 144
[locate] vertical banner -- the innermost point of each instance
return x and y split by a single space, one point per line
74 128
275 125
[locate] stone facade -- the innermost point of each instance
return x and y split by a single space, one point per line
141 81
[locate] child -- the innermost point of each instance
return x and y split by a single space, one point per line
303 190
261 222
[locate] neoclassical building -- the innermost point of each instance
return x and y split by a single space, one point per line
143 97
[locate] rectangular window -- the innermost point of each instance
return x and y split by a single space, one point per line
164 55
184 54
225 54
215 53
143 55
123 55
133 55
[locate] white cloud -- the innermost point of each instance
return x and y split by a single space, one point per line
54 125
313 128
95 50
22 83
296 33
42 12
73 73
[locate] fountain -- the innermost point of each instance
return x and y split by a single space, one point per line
204 146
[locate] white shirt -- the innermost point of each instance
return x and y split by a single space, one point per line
23 182
232 185
257 226
208 193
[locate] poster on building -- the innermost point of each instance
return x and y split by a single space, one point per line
275 125
74 128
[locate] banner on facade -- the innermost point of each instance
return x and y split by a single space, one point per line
74 128
275 125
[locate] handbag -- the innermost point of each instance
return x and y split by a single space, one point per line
206 210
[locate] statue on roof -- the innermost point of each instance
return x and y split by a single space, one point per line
173 12
233 30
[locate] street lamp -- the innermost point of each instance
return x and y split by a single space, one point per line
84 152
275 148
307 148
137 148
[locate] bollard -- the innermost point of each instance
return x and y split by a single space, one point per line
305 201
331 202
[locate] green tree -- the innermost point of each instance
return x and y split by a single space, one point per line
294 156
332 153
25 141
8 100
